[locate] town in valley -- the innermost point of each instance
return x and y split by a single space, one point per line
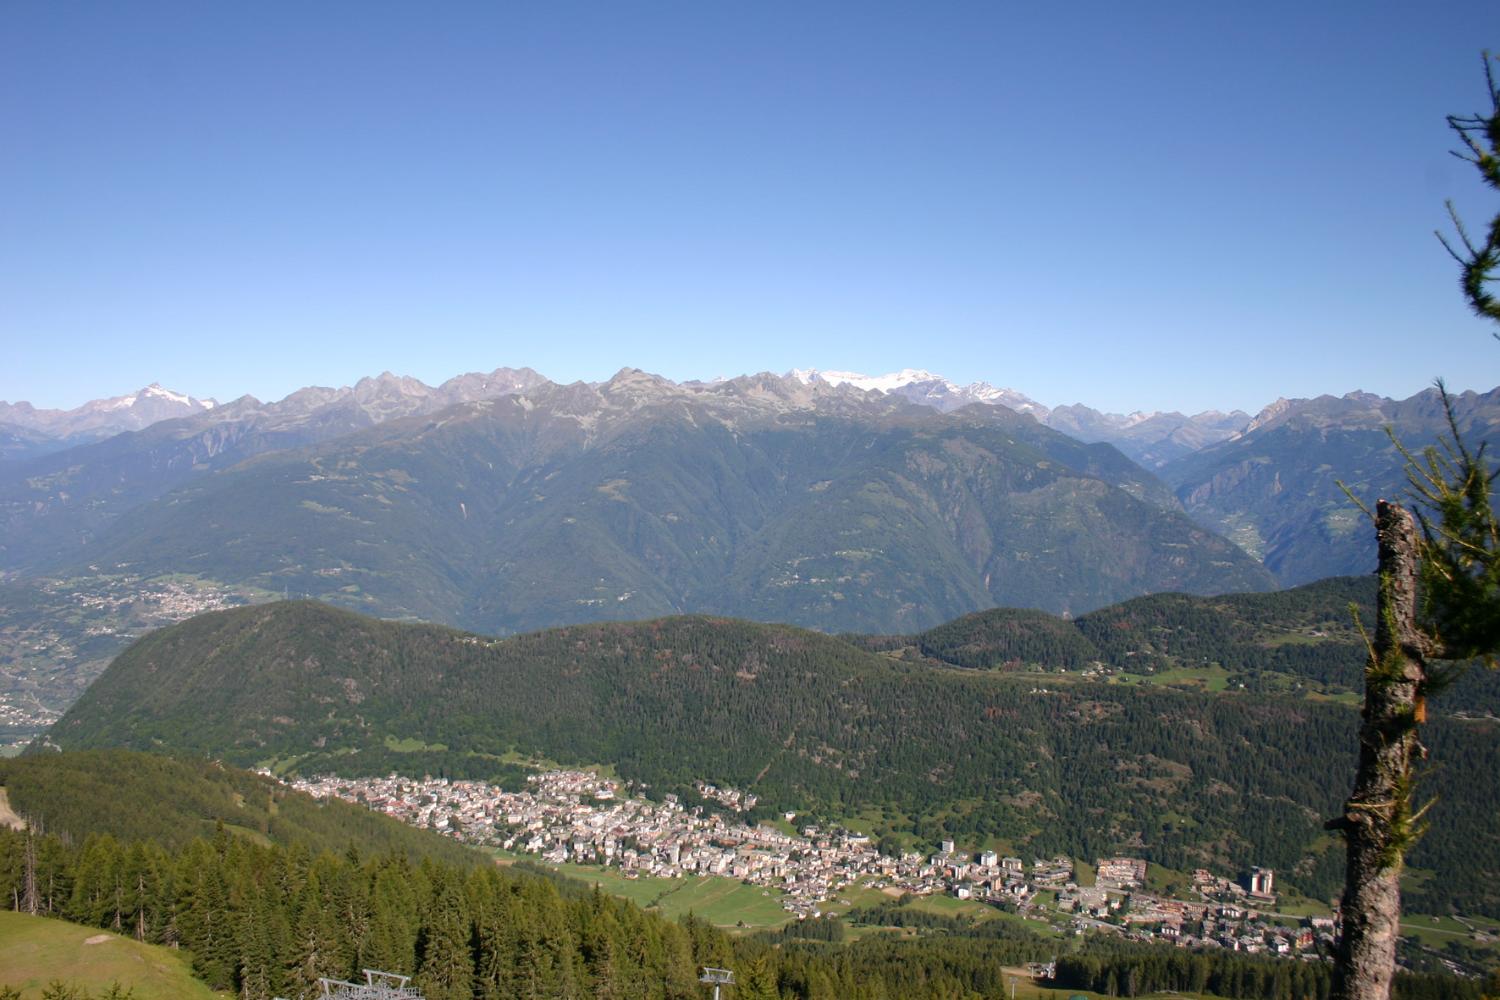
580 817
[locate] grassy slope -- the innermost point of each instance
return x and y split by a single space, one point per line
159 798
36 950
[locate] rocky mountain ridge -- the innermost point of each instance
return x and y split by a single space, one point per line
130 412
28 432
1151 438
1249 478
761 496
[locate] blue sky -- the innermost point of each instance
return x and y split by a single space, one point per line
1143 205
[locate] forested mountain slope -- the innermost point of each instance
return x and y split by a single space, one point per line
1306 639
762 498
136 796
1274 488
808 721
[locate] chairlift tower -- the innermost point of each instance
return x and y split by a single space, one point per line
377 986
717 978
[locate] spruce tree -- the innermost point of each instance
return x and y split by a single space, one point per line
446 971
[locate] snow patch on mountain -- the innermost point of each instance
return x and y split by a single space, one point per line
880 383
924 387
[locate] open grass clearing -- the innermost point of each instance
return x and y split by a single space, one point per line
34 951
410 745
537 762
855 897
952 906
724 902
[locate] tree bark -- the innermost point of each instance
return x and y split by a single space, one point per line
1378 821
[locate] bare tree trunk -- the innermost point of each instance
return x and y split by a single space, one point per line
30 902
1378 822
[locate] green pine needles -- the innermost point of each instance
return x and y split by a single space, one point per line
1479 263
1460 566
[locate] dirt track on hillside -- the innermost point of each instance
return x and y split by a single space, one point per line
8 816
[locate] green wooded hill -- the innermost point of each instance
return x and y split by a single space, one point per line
1301 640
808 721
760 498
136 796
1009 637
1307 631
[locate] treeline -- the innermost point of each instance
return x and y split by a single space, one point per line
1117 968
264 921
813 724
900 913
139 796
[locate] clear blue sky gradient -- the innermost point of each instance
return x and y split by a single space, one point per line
1134 205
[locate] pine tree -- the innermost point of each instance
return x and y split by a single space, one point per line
757 981
315 951
391 942
202 915
447 967
261 941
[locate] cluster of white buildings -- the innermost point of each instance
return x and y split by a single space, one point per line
151 602
577 816
731 798
1224 914
1218 924
581 817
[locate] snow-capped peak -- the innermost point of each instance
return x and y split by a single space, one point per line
155 389
922 386
880 383
153 393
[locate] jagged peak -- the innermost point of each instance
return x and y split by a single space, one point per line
633 382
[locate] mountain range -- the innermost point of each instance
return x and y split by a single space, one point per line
505 502
26 432
55 502
1151 439
762 496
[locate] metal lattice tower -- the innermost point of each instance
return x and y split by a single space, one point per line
377 986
